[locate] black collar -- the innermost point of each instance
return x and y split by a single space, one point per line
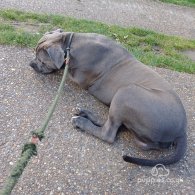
67 49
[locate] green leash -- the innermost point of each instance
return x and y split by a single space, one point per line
30 148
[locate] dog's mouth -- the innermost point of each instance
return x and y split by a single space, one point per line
40 68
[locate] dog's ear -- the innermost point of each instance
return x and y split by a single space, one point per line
56 53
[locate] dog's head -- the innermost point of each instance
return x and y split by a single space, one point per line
49 52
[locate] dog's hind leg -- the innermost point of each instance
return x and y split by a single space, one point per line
118 113
146 146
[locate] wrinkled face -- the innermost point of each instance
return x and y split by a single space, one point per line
43 63
49 53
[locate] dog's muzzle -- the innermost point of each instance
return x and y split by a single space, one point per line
34 66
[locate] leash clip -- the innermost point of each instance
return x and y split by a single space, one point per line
67 60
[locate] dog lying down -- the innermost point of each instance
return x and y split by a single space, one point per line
138 97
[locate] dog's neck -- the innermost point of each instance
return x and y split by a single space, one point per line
67 45
67 42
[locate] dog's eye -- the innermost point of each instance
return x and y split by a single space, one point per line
43 63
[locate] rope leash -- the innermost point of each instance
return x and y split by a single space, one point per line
30 148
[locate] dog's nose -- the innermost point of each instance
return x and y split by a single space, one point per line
34 66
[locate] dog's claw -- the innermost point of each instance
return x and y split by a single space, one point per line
76 111
75 120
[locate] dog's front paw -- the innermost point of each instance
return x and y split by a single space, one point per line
81 112
78 122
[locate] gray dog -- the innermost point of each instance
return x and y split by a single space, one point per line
138 97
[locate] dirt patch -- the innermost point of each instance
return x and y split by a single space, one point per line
157 49
190 54
28 27
33 28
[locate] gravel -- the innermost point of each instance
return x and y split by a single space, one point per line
70 161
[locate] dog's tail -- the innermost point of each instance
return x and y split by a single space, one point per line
181 145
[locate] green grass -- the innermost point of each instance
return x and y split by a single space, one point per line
190 3
9 35
149 47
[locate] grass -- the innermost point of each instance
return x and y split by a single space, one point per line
190 3
149 47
